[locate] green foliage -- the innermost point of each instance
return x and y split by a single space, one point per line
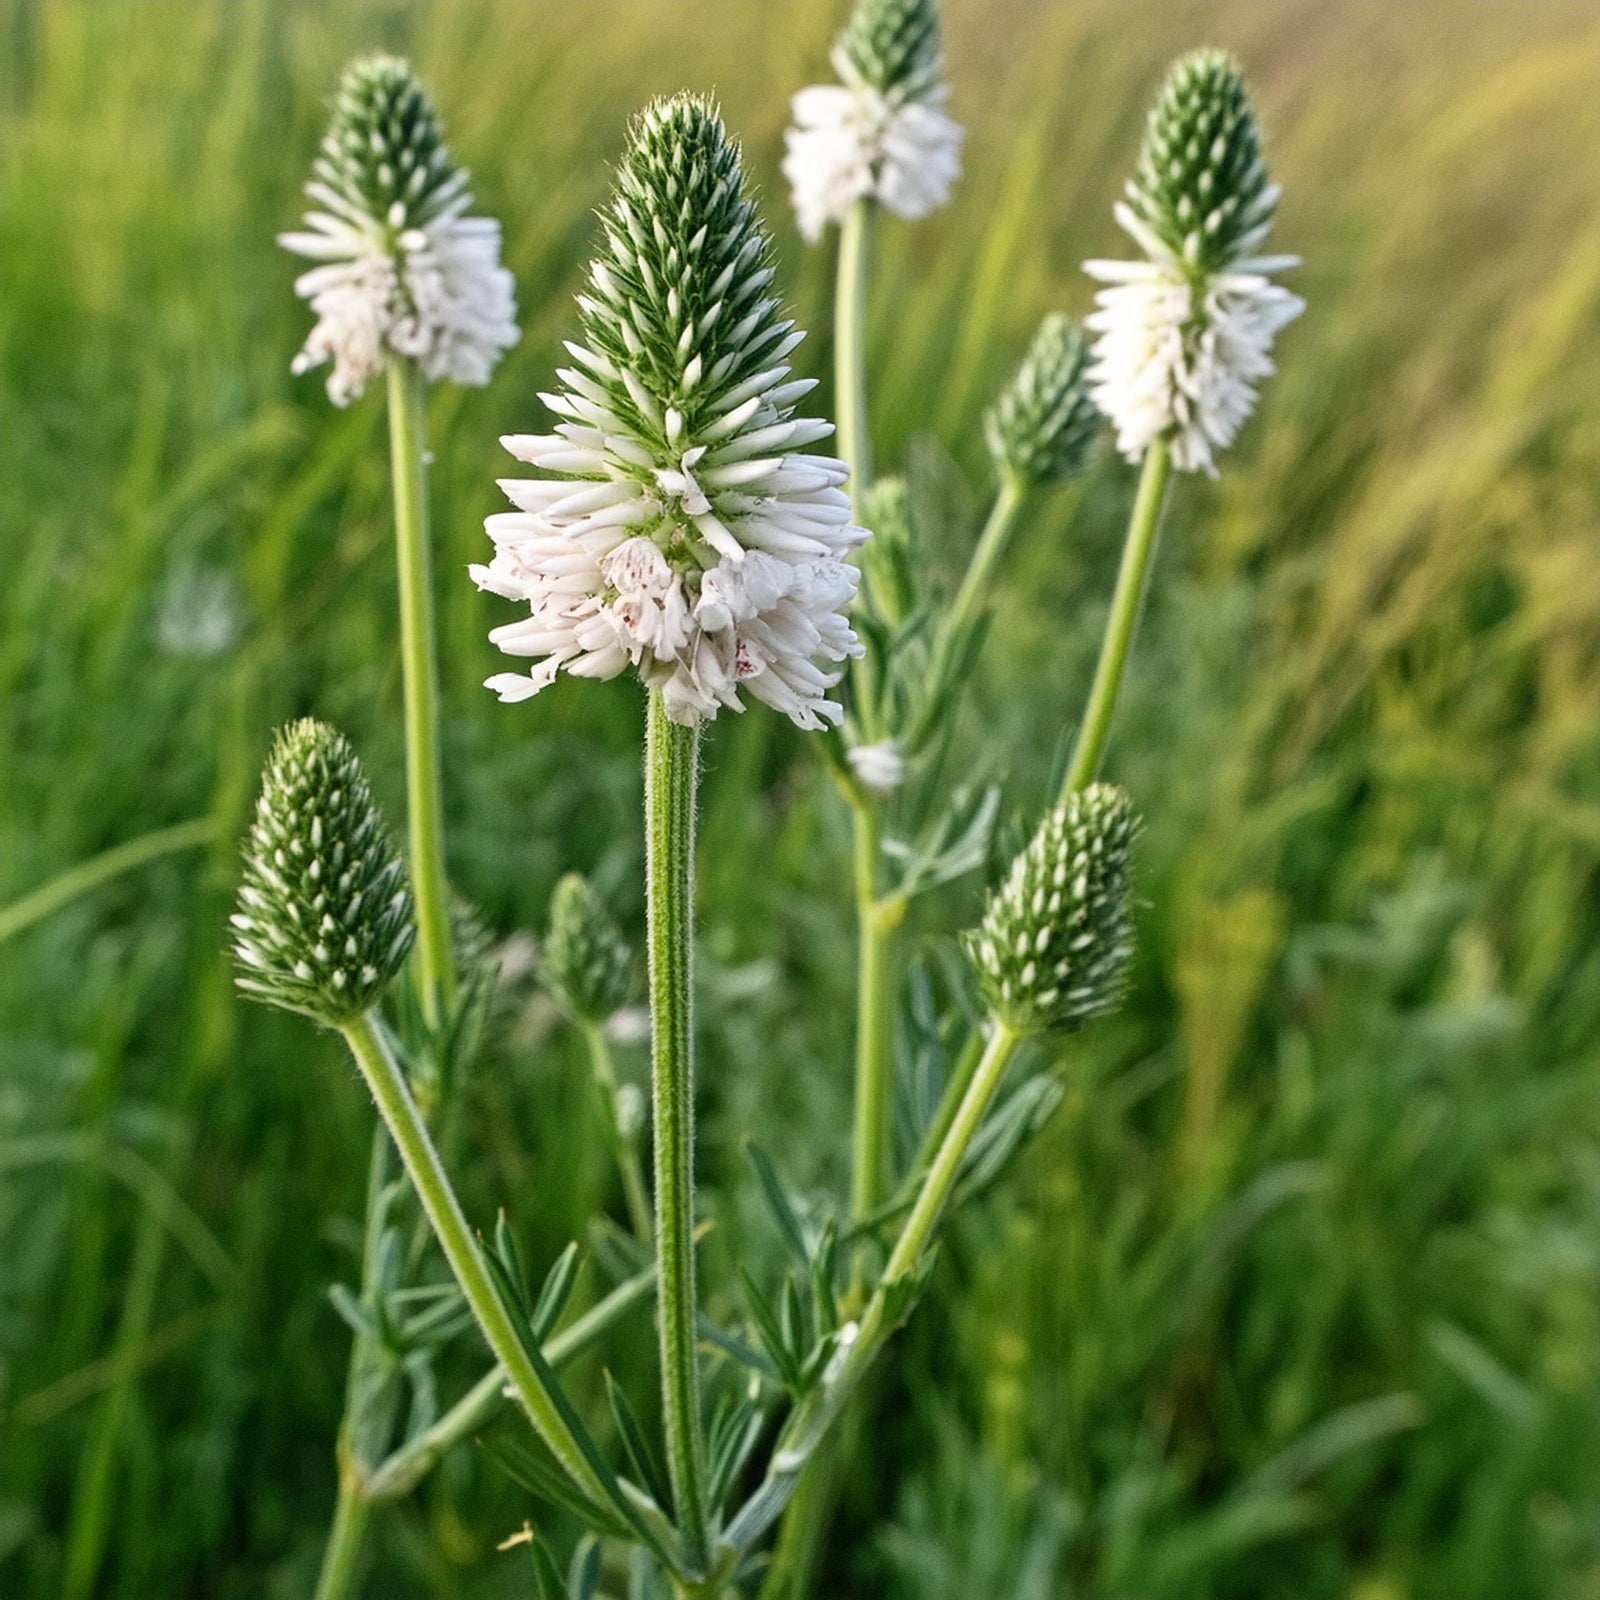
324 918
1338 1146
1202 186
1053 948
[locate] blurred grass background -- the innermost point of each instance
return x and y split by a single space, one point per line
1296 1295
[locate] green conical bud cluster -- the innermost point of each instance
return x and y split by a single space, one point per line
324 916
891 46
886 561
584 962
1202 186
1053 948
383 154
1041 426
681 316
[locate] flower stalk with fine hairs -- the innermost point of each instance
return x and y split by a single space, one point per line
683 530
1183 337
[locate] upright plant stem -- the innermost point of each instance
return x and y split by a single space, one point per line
876 920
634 1194
341 1560
670 776
850 347
1126 601
986 556
413 549
369 1403
530 1378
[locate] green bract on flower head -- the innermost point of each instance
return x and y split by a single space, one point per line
1053 948
681 527
383 152
584 961
891 46
1041 426
1202 186
324 916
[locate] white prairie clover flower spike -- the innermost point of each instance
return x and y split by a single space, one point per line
1184 337
881 133
404 270
1053 948
1040 428
324 918
584 962
679 526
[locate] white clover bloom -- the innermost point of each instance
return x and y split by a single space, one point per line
682 527
880 766
404 270
883 132
1184 337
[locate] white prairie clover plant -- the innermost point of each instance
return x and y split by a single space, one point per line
681 527
404 270
1185 335
881 133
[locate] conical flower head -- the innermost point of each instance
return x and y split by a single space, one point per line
1183 339
324 918
383 153
1053 948
584 962
891 46
403 270
881 133
683 528
1041 426
1202 186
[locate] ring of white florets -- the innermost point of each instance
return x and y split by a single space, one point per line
1180 353
852 141
433 291
724 571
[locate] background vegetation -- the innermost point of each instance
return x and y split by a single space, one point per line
1296 1295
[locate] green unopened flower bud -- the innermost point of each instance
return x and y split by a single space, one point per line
1053 948
383 154
584 961
886 559
324 916
891 46
1202 186
1041 426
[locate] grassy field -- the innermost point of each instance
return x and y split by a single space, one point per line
1295 1297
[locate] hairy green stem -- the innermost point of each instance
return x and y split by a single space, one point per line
1126 601
551 1416
670 776
634 1194
413 1461
436 969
